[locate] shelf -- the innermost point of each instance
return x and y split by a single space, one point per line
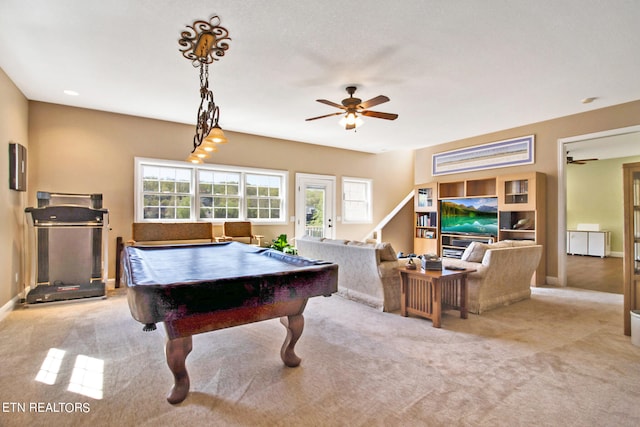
485 187
426 233
521 191
426 220
425 197
481 187
451 189
516 198
517 220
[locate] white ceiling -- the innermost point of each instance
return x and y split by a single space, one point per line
625 144
453 69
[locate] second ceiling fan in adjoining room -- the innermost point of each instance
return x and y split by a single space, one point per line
572 161
353 108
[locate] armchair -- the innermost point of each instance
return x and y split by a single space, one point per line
240 230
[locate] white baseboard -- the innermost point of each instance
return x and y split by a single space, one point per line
11 304
8 307
553 281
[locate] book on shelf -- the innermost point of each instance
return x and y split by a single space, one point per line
425 234
426 220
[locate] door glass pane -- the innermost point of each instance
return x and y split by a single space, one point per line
425 198
314 207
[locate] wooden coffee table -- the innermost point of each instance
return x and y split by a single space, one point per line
425 292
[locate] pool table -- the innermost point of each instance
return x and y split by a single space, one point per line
199 288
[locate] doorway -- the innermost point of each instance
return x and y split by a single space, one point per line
315 205
605 274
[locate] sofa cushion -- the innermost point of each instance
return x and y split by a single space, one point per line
357 243
517 243
475 252
335 241
501 244
386 252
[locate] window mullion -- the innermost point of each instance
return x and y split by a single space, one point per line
195 194
243 196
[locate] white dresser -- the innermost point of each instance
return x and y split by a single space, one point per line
593 243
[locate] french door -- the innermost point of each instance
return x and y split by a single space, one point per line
315 205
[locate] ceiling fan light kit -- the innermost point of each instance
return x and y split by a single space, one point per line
353 108
350 119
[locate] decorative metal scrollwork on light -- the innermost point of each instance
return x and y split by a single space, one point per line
203 41
202 44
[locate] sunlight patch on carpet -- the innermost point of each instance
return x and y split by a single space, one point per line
87 377
50 366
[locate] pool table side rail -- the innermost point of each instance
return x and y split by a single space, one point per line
150 304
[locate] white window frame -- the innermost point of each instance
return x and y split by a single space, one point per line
368 218
195 208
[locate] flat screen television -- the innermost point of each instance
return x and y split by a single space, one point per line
478 215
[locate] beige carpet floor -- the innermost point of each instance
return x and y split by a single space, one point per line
558 359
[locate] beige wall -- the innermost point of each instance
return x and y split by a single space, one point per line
85 151
547 134
594 196
14 116
77 150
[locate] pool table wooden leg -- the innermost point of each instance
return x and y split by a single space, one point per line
294 325
177 350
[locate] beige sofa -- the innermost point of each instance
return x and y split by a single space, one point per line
503 272
366 271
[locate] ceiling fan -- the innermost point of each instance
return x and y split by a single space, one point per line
353 107
572 161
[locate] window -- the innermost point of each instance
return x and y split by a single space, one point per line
219 194
166 192
174 191
263 196
356 200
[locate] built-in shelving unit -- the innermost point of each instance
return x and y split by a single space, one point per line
521 208
425 237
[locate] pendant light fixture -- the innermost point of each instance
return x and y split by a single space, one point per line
202 43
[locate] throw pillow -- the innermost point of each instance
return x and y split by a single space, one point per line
386 252
474 252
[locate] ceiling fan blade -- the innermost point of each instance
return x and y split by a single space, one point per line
379 115
333 104
570 161
373 102
326 115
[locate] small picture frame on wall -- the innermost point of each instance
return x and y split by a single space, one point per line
17 167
